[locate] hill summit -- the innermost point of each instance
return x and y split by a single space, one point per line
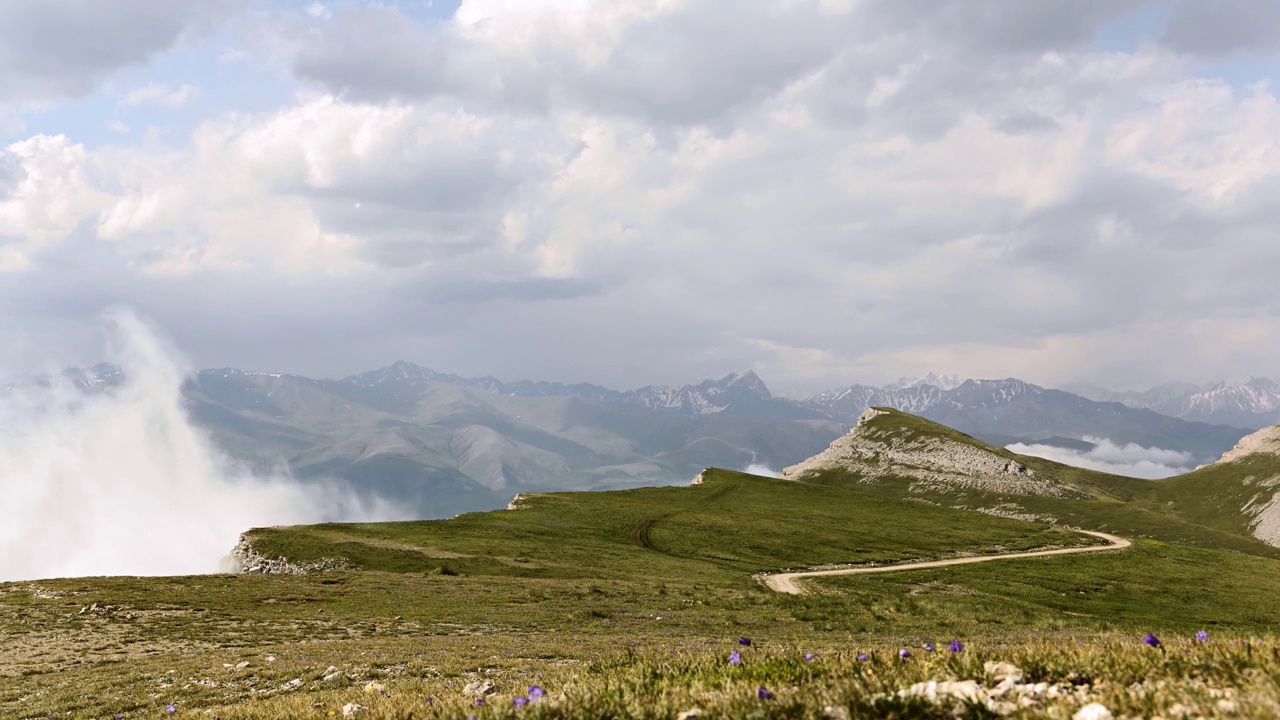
890 443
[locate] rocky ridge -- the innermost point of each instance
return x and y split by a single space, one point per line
245 559
1265 512
934 462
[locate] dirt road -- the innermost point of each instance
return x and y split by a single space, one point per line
785 582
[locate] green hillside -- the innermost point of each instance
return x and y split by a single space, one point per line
628 603
1202 508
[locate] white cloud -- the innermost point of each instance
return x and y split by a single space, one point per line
1131 459
121 483
162 95
117 127
1013 201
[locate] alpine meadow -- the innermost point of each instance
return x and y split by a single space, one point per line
639 359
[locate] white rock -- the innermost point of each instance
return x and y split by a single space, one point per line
352 710
479 687
1001 671
831 712
1092 711
375 687
692 714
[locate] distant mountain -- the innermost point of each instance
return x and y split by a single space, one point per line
1252 404
1002 410
445 444
944 382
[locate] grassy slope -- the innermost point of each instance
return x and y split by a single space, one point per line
1201 508
628 602
719 532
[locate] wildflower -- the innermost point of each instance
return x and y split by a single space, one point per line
536 693
1202 636
808 657
862 657
904 654
479 702
956 646
928 646
1151 640
520 701
734 658
744 642
430 700
170 708
764 694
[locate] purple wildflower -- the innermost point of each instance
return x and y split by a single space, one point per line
928 646
520 701
904 654
536 693
862 657
956 646
1151 640
430 700
479 702
744 641
1202 636
808 657
734 658
764 694
170 708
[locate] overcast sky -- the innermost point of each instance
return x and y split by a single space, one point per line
649 191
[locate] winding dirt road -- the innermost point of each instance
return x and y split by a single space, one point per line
785 582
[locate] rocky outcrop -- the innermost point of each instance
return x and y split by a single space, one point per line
245 559
1266 440
1264 506
932 461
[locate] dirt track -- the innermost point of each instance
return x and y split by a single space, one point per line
785 582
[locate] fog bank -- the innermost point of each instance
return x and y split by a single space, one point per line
1131 459
119 482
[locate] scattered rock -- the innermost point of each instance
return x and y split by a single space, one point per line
480 687
691 714
375 687
1092 711
964 690
1001 671
831 712
352 710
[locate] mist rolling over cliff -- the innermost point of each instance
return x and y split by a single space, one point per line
120 482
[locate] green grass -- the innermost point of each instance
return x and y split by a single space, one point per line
626 604
1202 508
720 532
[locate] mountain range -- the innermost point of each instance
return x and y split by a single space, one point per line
1253 404
440 443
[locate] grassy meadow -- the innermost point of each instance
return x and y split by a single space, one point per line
630 604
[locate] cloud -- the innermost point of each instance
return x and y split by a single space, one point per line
58 50
762 470
828 192
157 94
1223 29
1131 459
121 483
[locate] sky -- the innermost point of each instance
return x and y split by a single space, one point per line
654 191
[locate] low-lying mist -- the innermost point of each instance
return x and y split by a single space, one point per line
1131 459
119 482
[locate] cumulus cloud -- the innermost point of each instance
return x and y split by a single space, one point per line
56 50
824 191
1130 459
120 483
